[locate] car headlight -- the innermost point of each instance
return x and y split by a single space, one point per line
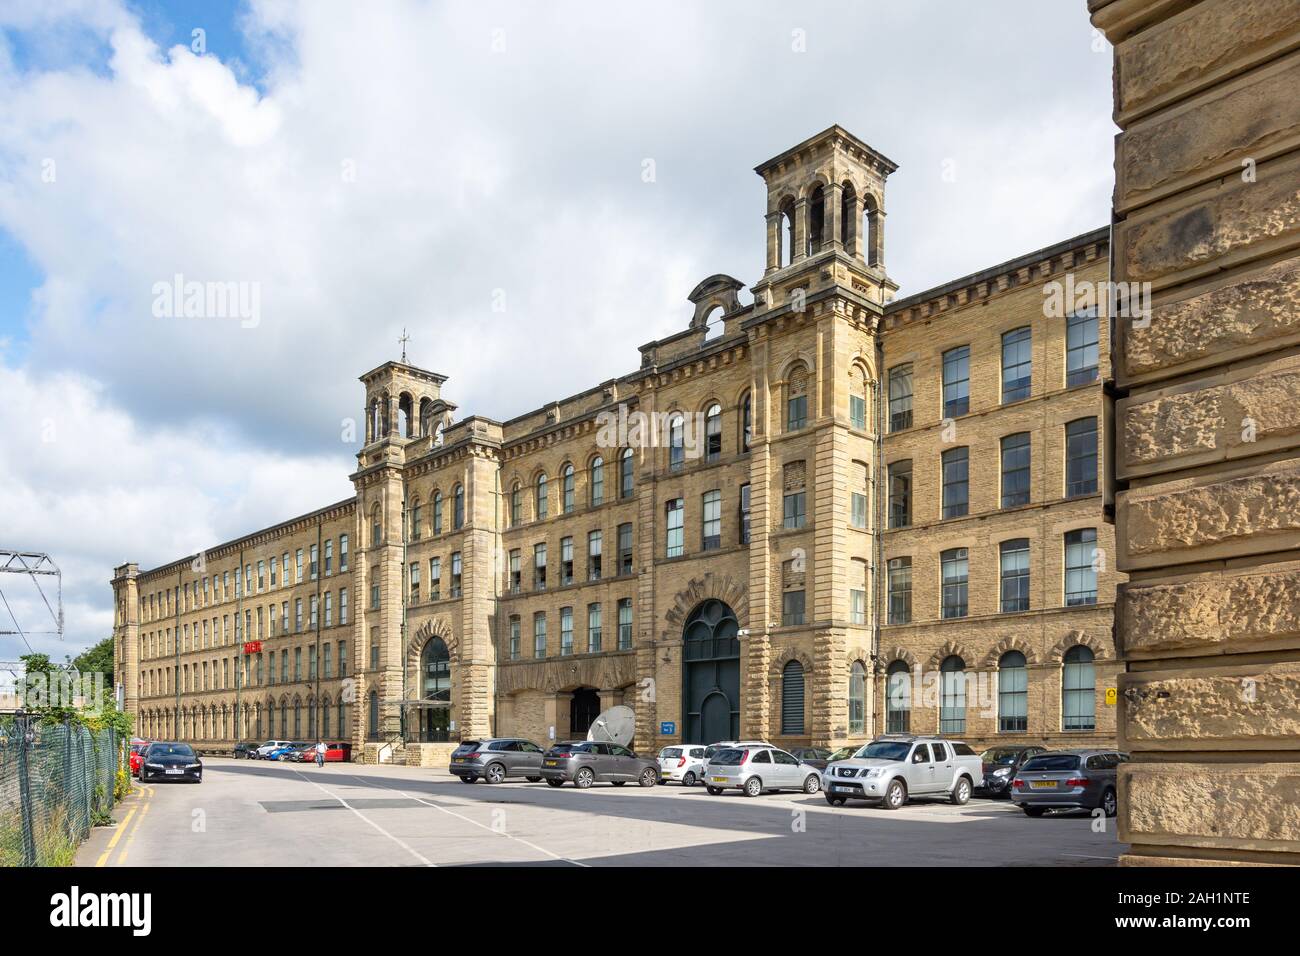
872 772
1002 772
154 766
193 766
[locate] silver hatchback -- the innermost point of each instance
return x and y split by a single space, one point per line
751 770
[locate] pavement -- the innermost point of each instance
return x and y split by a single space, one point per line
253 813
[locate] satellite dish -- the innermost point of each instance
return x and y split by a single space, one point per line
616 725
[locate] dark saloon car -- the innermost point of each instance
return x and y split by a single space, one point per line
496 759
593 761
813 756
1068 779
246 750
171 761
1000 767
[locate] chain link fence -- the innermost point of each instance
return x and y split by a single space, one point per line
56 782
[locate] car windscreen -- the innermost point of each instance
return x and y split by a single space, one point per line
466 746
170 750
1053 762
1004 756
729 757
844 753
671 752
884 750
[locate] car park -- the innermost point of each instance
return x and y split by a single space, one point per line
1068 779
245 750
281 753
496 759
817 757
896 767
171 761
683 763
339 751
585 762
261 752
1000 766
755 769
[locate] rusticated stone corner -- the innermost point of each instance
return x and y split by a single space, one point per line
1213 707
1235 806
1255 311
1248 506
1211 611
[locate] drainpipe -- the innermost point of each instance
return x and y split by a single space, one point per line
878 484
320 611
239 660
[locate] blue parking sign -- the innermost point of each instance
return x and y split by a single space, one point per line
667 728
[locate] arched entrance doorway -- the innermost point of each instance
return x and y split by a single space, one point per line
435 692
711 674
584 708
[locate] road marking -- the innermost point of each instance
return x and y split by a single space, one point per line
126 822
126 847
481 826
423 859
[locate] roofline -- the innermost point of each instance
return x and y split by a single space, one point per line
833 129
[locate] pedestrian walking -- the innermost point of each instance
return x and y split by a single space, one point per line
320 753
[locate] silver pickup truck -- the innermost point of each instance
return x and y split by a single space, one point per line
893 768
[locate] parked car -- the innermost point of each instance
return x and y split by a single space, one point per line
713 749
592 761
817 757
171 761
338 751
136 757
300 753
261 752
896 767
751 770
496 759
245 749
280 753
683 763
1000 766
1068 779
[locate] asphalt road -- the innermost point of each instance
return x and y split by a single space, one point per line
249 813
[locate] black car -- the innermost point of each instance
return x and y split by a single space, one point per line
1001 764
171 761
246 750
813 756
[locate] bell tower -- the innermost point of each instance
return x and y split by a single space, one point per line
404 402
825 219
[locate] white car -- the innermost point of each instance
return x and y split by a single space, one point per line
261 752
683 763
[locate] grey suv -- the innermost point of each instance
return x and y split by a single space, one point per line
592 761
496 759
1068 779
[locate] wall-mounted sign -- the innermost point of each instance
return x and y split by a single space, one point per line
252 647
667 728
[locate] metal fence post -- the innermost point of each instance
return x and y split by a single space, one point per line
25 794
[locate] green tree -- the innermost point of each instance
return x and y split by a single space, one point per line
97 659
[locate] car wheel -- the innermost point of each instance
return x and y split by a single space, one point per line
533 779
495 773
466 778
713 791
1109 804
753 787
649 777
811 783
554 783
834 801
960 793
584 778
1033 811
618 783
895 795
689 779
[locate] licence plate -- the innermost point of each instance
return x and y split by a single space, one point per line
175 770
837 787
719 779
552 763
1042 784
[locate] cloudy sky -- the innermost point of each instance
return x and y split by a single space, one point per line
367 167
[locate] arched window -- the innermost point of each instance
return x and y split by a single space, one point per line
458 507
713 433
415 520
598 480
325 717
796 399
792 699
435 671
376 529
785 234
816 220
676 443
516 506
437 512
858 398
567 485
625 477
746 422
848 215
952 712
1013 693
1078 690
871 231
857 698
541 497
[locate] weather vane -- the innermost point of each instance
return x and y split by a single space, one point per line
402 342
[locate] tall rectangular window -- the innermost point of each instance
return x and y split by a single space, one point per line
315 562
435 579
900 590
516 573
1015 470
1080 569
1017 364
796 412
625 549
343 605
329 557
956 482
676 514
1081 457
594 557
343 552
711 529
625 624
1014 557
792 608
900 398
566 631
626 476
858 411
900 494
955 568
795 511
857 606
744 514
1081 348
956 381
593 628
455 574
539 634
413 588
539 567
858 496
514 638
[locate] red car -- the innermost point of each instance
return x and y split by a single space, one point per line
138 747
334 753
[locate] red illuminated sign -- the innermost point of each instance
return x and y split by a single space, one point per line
253 647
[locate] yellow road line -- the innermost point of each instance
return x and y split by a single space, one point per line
126 847
126 822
